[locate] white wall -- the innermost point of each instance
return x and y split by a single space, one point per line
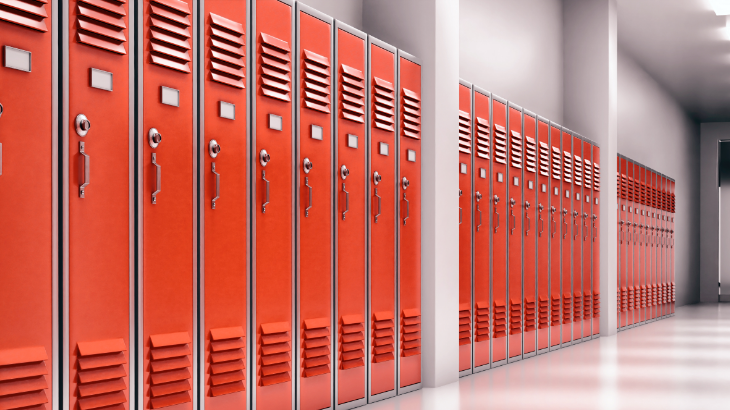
347 11
655 131
514 48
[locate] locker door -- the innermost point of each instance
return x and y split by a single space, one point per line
499 232
529 232
555 215
514 234
272 204
596 242
642 232
351 175
168 230
652 250
663 248
465 228
314 165
382 193
672 291
577 240
649 231
223 143
567 238
98 201
542 230
586 239
28 108
409 230
629 242
482 214
636 243
623 227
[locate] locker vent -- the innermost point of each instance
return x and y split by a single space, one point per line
464 133
316 82
275 68
352 342
25 13
596 304
642 193
653 295
567 167
578 169
383 104
624 185
587 298
555 310
482 331
567 302
637 190
316 350
22 378
482 138
577 307
530 318
227 51
410 332
596 177
352 94
642 294
101 371
630 189
227 360
384 337
674 203
530 155
672 291
500 144
500 319
587 174
515 316
516 150
411 119
631 298
543 312
275 347
171 368
544 159
556 163
624 299
100 23
169 34
464 324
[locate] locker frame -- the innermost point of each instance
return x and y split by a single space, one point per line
549 328
521 219
572 134
552 185
577 240
595 333
587 321
527 113
470 86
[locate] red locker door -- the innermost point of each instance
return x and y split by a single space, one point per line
567 238
623 235
499 235
642 232
529 231
636 243
168 220
314 165
556 218
223 145
629 242
351 214
651 214
663 247
672 290
576 236
542 230
465 228
482 182
586 240
514 234
409 241
28 165
648 232
596 242
272 204
382 193
97 202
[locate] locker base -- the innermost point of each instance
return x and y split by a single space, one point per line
499 363
482 368
351 404
543 351
596 336
554 348
566 344
381 396
408 389
465 373
528 355
514 359
585 339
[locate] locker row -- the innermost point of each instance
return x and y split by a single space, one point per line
646 208
197 219
528 233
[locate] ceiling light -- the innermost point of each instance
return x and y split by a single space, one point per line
721 7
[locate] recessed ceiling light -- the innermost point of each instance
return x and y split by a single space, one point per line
721 7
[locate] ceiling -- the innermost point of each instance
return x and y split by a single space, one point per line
685 47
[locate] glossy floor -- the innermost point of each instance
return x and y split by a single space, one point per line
682 362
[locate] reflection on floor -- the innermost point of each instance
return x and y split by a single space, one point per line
681 362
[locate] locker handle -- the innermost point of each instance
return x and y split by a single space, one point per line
87 170
634 233
553 223
158 174
621 232
594 227
585 227
575 225
565 223
217 185
527 216
408 209
306 184
347 201
496 212
542 223
478 196
513 220
379 203
263 176
460 210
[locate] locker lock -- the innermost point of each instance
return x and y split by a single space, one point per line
585 215
552 209
344 172
83 125
307 165
1 110
478 195
496 199
527 205
460 193
264 157
540 207
377 178
512 202
575 213
154 137
214 148
405 183
565 211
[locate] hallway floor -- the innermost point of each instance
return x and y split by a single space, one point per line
681 362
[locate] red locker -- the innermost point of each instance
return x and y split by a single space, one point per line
622 290
223 143
382 193
672 208
555 228
542 230
585 240
465 228
566 256
351 215
636 243
409 230
168 222
651 214
529 231
577 238
499 231
663 246
272 187
28 204
98 202
514 234
629 242
596 243
314 167
482 182
642 232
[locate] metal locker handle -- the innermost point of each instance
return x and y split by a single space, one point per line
542 223
408 209
159 178
513 220
87 170
496 212
585 227
217 185
621 232
553 223
460 210
306 184
347 201
263 176
594 227
575 225
527 216
565 223
379 203
478 196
